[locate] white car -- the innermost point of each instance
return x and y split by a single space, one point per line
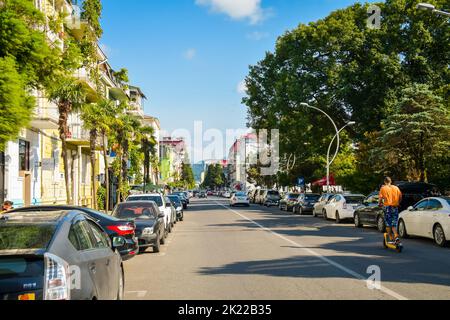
429 218
239 198
164 207
342 207
227 194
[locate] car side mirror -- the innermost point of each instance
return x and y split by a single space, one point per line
411 209
118 242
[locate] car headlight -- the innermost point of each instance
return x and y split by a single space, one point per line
179 209
147 231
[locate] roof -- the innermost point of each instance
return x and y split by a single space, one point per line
134 88
34 217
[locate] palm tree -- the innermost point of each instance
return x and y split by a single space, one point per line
69 95
148 143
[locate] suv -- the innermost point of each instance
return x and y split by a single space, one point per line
161 202
271 198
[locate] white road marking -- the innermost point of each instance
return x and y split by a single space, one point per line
318 255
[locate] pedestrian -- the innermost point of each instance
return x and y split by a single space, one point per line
7 206
390 199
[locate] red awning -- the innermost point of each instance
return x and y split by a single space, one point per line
323 182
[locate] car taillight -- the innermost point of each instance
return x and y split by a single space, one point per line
57 278
344 205
122 230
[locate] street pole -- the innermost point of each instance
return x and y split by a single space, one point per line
331 144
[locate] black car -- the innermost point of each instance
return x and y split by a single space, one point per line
112 226
305 203
202 195
176 201
58 255
150 229
182 196
288 201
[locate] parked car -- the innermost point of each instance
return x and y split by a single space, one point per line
176 200
161 203
430 218
320 204
251 195
271 198
184 200
226 194
342 207
305 203
202 195
288 201
112 226
38 252
170 204
239 199
149 221
369 213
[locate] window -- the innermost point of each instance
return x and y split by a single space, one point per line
80 237
24 155
434 205
99 238
421 206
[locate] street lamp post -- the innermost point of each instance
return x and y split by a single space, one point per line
331 144
432 8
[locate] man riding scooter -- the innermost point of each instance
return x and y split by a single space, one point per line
390 199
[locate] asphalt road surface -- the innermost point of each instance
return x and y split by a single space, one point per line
223 253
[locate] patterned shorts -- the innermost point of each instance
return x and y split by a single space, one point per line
391 217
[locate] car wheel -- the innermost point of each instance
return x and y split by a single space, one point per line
157 246
324 214
121 290
402 230
439 236
381 225
162 240
338 217
294 210
357 221
300 211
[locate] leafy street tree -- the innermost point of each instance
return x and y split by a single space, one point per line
26 62
416 133
215 177
187 176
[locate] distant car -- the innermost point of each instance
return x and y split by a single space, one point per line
161 203
112 226
239 199
288 201
342 207
184 200
260 196
202 195
174 210
305 203
430 218
39 250
271 198
210 193
176 201
149 221
227 194
320 204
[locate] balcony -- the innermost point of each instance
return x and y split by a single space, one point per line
79 136
136 110
45 118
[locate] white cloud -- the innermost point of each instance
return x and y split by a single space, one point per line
242 88
190 54
237 9
257 35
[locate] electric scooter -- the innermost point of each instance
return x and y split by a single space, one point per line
398 246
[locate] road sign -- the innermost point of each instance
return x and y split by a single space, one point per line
301 182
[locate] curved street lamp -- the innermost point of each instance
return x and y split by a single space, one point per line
304 104
351 123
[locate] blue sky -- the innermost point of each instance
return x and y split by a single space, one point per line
189 56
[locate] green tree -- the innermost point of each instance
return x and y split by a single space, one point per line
417 132
187 176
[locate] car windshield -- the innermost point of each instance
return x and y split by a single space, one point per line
176 200
134 211
27 236
241 194
312 197
447 199
354 199
293 196
273 193
156 199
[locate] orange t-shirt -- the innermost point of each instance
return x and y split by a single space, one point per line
391 196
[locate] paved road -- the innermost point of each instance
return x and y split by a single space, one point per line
219 253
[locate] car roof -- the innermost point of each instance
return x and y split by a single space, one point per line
37 217
136 203
145 195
